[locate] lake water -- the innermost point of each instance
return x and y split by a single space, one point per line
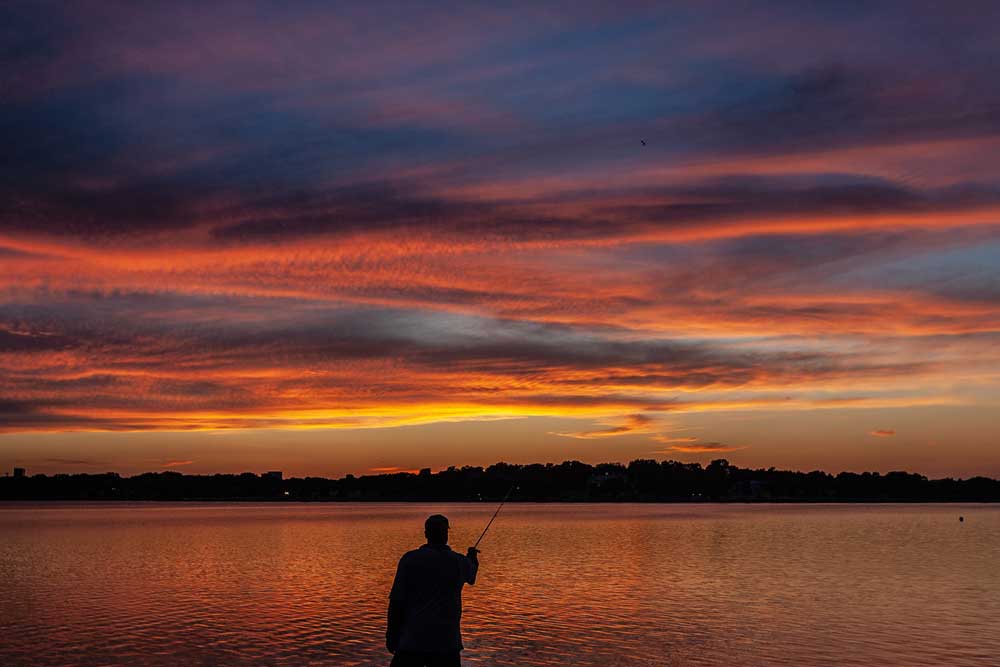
295 584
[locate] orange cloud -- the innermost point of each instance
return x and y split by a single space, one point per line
690 445
636 423
392 469
670 440
883 433
701 448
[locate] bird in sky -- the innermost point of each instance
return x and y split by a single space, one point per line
643 141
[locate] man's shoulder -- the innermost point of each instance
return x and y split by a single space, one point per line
424 551
410 555
430 553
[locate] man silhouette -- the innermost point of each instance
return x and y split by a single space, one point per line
425 604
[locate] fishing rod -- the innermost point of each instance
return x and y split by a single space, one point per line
493 518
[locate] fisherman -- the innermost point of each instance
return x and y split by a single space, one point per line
425 604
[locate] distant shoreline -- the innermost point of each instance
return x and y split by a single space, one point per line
639 481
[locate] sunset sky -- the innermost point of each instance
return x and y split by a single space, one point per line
329 238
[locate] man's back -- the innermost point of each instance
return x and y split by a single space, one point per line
425 604
428 586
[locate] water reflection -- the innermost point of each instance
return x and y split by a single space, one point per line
184 584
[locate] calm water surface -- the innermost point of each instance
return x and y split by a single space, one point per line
245 584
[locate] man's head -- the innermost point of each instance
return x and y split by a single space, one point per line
436 529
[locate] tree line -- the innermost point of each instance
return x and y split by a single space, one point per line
642 480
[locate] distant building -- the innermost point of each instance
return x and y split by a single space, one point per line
19 472
273 474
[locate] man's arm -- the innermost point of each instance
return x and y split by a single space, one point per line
473 559
397 609
394 627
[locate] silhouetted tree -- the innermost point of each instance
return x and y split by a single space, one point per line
640 480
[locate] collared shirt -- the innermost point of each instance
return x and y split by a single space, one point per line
428 586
